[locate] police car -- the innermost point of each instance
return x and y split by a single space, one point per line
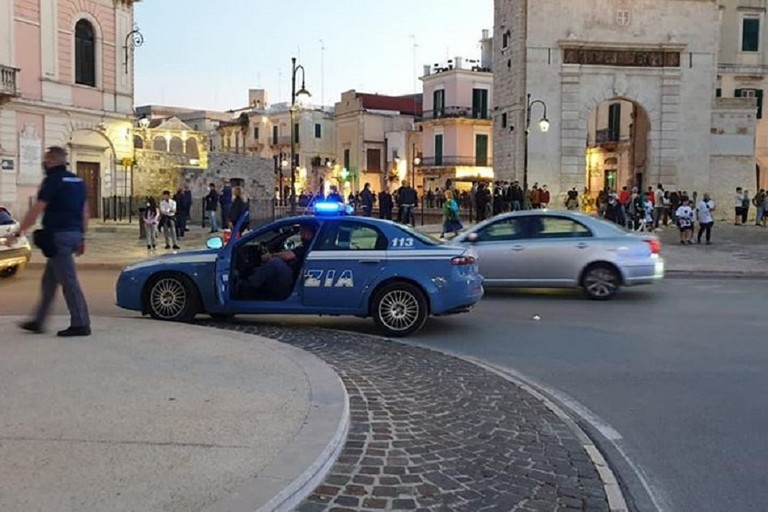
354 266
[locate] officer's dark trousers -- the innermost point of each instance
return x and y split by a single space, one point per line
272 279
60 270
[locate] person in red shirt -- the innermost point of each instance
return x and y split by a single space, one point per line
624 196
544 197
651 196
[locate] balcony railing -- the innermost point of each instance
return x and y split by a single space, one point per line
283 140
8 81
457 161
455 112
606 136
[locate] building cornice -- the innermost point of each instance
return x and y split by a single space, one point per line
40 107
583 44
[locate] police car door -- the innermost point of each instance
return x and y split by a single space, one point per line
345 262
224 263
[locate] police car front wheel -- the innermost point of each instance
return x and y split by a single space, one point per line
173 298
399 309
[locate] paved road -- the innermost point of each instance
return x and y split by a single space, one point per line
674 377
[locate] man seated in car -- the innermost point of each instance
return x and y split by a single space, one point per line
274 278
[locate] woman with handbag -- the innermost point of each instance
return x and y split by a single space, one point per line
451 221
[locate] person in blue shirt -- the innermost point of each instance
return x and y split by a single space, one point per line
62 201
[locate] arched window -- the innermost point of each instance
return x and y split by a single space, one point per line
85 54
160 144
176 146
192 148
138 142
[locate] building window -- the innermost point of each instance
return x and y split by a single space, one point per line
614 122
481 150
504 120
85 54
480 103
505 38
718 93
439 149
296 132
438 102
750 34
275 132
346 159
318 131
374 160
752 93
256 133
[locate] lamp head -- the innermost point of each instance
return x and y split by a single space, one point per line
144 123
417 161
303 95
544 124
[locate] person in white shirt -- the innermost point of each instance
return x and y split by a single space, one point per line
685 219
168 220
658 205
737 200
706 219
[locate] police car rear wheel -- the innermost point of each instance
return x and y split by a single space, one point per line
399 309
172 298
9 272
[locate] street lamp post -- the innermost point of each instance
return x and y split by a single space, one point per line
416 163
301 94
543 126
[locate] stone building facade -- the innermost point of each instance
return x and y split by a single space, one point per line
659 55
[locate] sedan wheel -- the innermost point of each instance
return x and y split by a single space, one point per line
172 298
399 309
601 282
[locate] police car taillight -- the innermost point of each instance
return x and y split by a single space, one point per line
463 260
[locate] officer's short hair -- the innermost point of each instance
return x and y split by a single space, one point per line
166 192
58 153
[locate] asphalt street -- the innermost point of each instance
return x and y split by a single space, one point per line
671 378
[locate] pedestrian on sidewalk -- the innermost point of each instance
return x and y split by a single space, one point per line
545 197
151 220
239 207
451 220
658 205
62 200
685 218
367 200
168 220
737 201
745 201
706 220
225 200
765 209
758 201
211 202
385 205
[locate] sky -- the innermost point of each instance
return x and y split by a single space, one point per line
207 54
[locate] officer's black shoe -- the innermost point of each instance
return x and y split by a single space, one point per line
176 247
32 327
167 246
75 331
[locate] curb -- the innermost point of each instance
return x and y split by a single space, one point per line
39 264
613 491
611 485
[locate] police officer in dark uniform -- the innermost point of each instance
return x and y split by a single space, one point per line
275 277
62 201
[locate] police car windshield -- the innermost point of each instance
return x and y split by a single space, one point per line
425 239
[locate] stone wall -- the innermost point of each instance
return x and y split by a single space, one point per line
157 171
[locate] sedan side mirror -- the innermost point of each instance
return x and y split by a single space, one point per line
214 242
472 238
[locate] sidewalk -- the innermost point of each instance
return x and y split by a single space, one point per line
150 416
737 251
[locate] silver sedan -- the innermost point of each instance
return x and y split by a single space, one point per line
551 249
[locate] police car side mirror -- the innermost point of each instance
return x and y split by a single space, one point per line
472 238
214 242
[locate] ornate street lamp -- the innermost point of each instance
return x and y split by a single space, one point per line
543 126
133 39
302 95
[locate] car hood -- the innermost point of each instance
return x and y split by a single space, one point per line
186 257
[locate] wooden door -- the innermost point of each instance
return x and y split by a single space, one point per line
91 174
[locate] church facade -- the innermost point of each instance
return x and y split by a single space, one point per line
629 88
